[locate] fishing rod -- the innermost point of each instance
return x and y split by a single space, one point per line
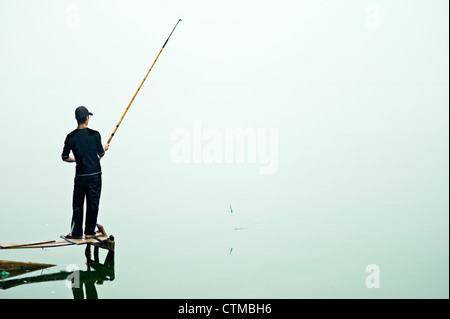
117 126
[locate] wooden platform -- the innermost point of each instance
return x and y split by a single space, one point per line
83 241
102 242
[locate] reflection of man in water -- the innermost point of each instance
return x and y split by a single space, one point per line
91 291
87 149
97 273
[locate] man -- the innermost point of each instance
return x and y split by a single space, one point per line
87 150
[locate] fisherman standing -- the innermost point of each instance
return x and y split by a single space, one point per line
87 150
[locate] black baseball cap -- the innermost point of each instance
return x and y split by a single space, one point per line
81 112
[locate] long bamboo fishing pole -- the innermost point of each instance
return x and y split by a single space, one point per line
117 126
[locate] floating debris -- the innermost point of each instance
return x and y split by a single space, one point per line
15 268
231 209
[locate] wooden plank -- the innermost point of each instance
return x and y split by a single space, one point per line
53 243
49 245
44 244
28 244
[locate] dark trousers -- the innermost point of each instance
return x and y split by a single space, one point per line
88 187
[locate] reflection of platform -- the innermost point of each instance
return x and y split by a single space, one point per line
102 242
